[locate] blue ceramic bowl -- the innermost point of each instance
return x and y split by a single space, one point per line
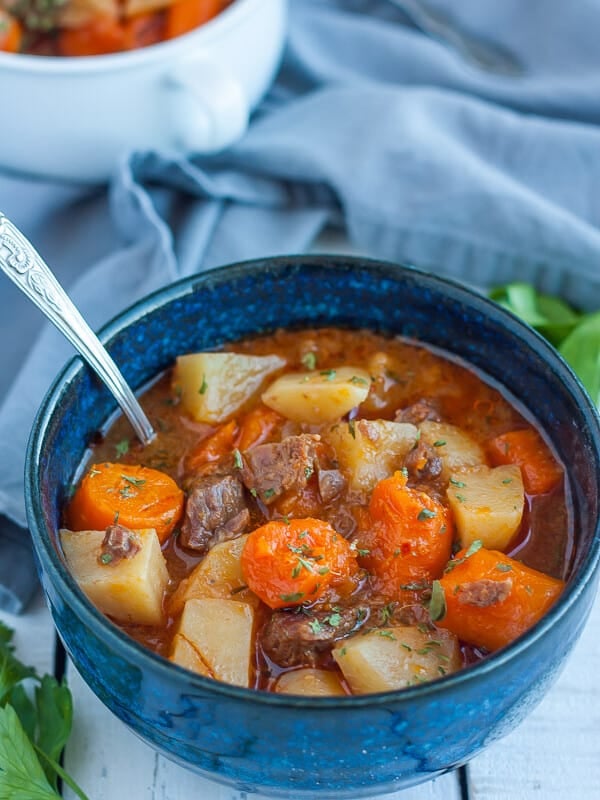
293 746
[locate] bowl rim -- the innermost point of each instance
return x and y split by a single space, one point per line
162 51
133 651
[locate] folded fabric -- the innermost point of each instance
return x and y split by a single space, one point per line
371 126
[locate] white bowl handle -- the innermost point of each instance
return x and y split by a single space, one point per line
209 109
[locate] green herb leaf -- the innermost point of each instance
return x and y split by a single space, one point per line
203 385
501 567
134 481
21 776
237 459
309 360
473 548
290 598
315 626
437 604
55 715
122 448
425 514
582 350
328 374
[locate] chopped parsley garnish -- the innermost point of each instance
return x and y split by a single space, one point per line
292 598
503 567
460 497
268 493
387 634
474 547
133 481
328 374
122 448
308 471
439 443
437 604
506 481
237 459
203 386
106 558
315 626
253 492
334 619
352 428
362 551
359 381
309 360
425 514
458 484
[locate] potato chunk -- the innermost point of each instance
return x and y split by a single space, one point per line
221 631
394 658
456 449
487 504
213 386
318 396
186 655
370 450
130 590
311 682
219 574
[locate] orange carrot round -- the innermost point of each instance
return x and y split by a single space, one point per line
220 442
257 426
409 539
526 448
103 35
11 33
185 15
136 497
290 563
491 599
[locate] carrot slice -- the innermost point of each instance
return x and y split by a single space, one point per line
214 447
186 15
104 35
137 497
290 563
257 426
491 599
11 33
525 447
409 540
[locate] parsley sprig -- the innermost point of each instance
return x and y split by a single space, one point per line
34 728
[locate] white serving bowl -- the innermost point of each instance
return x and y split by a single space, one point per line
74 117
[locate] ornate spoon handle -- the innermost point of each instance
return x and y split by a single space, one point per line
24 266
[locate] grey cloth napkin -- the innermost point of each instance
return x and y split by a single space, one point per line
371 126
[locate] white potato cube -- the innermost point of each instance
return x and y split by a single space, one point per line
214 386
456 449
394 658
221 631
311 682
318 396
130 590
219 574
487 504
186 655
370 450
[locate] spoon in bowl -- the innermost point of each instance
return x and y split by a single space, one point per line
21 262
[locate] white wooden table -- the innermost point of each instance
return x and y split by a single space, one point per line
553 755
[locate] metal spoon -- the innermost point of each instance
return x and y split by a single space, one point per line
21 262
482 53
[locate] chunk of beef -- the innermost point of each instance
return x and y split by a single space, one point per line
484 593
294 638
418 412
423 462
215 511
272 469
331 484
119 542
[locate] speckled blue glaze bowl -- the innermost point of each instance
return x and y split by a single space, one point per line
323 747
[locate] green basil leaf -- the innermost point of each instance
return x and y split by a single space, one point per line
581 349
